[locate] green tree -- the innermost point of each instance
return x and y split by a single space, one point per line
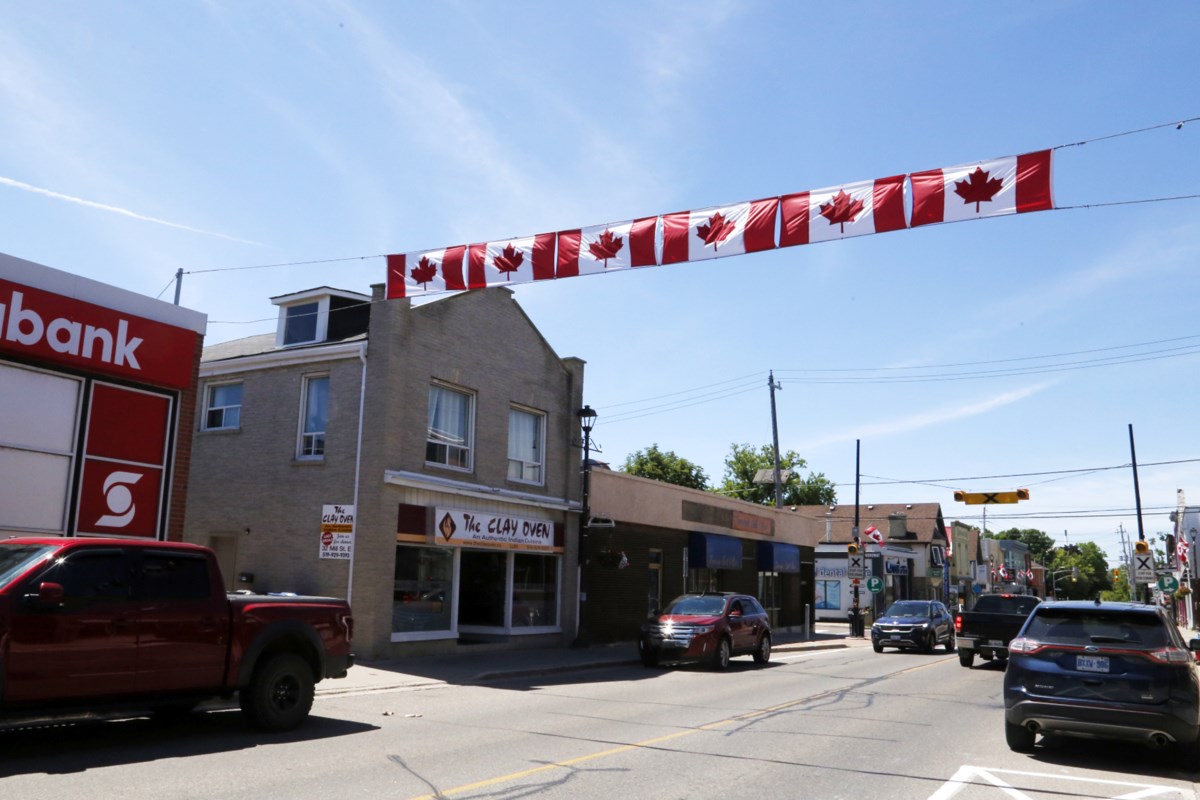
744 462
1094 577
667 467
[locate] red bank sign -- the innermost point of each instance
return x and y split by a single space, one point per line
85 336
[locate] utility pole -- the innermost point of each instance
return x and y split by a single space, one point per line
178 283
775 438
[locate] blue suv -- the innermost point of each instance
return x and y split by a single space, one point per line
1102 670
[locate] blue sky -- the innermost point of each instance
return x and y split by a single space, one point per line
138 139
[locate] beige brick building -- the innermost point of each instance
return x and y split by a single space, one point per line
449 429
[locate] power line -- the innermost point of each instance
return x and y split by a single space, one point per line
881 481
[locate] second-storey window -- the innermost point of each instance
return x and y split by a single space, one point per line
314 417
448 440
525 456
224 407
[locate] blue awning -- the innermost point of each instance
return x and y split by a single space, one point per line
713 551
778 557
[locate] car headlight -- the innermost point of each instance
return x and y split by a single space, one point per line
703 629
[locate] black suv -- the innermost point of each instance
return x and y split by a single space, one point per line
923 624
1102 670
712 626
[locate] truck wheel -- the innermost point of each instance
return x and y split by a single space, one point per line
966 658
280 694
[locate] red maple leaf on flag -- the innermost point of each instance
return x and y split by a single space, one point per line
977 188
424 271
716 231
509 261
606 247
842 209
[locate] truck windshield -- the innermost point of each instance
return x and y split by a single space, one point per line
16 558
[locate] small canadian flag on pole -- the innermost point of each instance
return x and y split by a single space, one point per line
874 535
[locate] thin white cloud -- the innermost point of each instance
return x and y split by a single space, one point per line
932 417
25 187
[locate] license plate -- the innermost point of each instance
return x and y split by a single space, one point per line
1091 663
995 643
896 636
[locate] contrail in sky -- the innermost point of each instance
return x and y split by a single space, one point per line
116 210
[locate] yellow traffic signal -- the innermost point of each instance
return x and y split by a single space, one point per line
852 548
1141 546
1116 574
987 498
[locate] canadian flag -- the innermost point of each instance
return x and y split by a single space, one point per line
511 261
721 231
1011 185
873 534
432 271
1003 574
855 209
604 248
1181 550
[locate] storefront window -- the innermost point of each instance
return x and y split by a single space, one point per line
423 589
535 590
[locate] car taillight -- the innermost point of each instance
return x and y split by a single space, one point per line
958 623
1170 655
347 623
1026 646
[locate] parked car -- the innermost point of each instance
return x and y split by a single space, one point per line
920 624
711 626
988 628
1102 670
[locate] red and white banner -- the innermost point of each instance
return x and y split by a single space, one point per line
1181 550
432 271
1012 185
721 231
605 248
855 209
530 258
873 534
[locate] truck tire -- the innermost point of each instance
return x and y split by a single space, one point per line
280 693
966 657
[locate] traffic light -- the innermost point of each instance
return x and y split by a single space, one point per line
1074 573
1116 574
987 498
852 548
1141 546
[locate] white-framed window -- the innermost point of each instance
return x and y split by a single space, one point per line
526 454
449 438
223 407
314 417
300 323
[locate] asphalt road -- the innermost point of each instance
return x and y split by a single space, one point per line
824 724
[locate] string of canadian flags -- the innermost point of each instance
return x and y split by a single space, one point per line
998 187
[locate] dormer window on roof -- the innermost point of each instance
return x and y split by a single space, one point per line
320 315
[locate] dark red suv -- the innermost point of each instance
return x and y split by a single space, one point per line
713 626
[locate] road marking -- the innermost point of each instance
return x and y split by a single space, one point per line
711 726
968 775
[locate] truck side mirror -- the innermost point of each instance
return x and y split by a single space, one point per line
50 595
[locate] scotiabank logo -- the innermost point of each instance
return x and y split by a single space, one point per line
96 338
119 499
26 326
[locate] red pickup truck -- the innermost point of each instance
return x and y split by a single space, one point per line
97 626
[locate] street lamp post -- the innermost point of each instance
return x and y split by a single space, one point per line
587 421
1058 573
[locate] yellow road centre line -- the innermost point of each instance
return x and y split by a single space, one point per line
512 776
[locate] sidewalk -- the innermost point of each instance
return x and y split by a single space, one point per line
494 665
